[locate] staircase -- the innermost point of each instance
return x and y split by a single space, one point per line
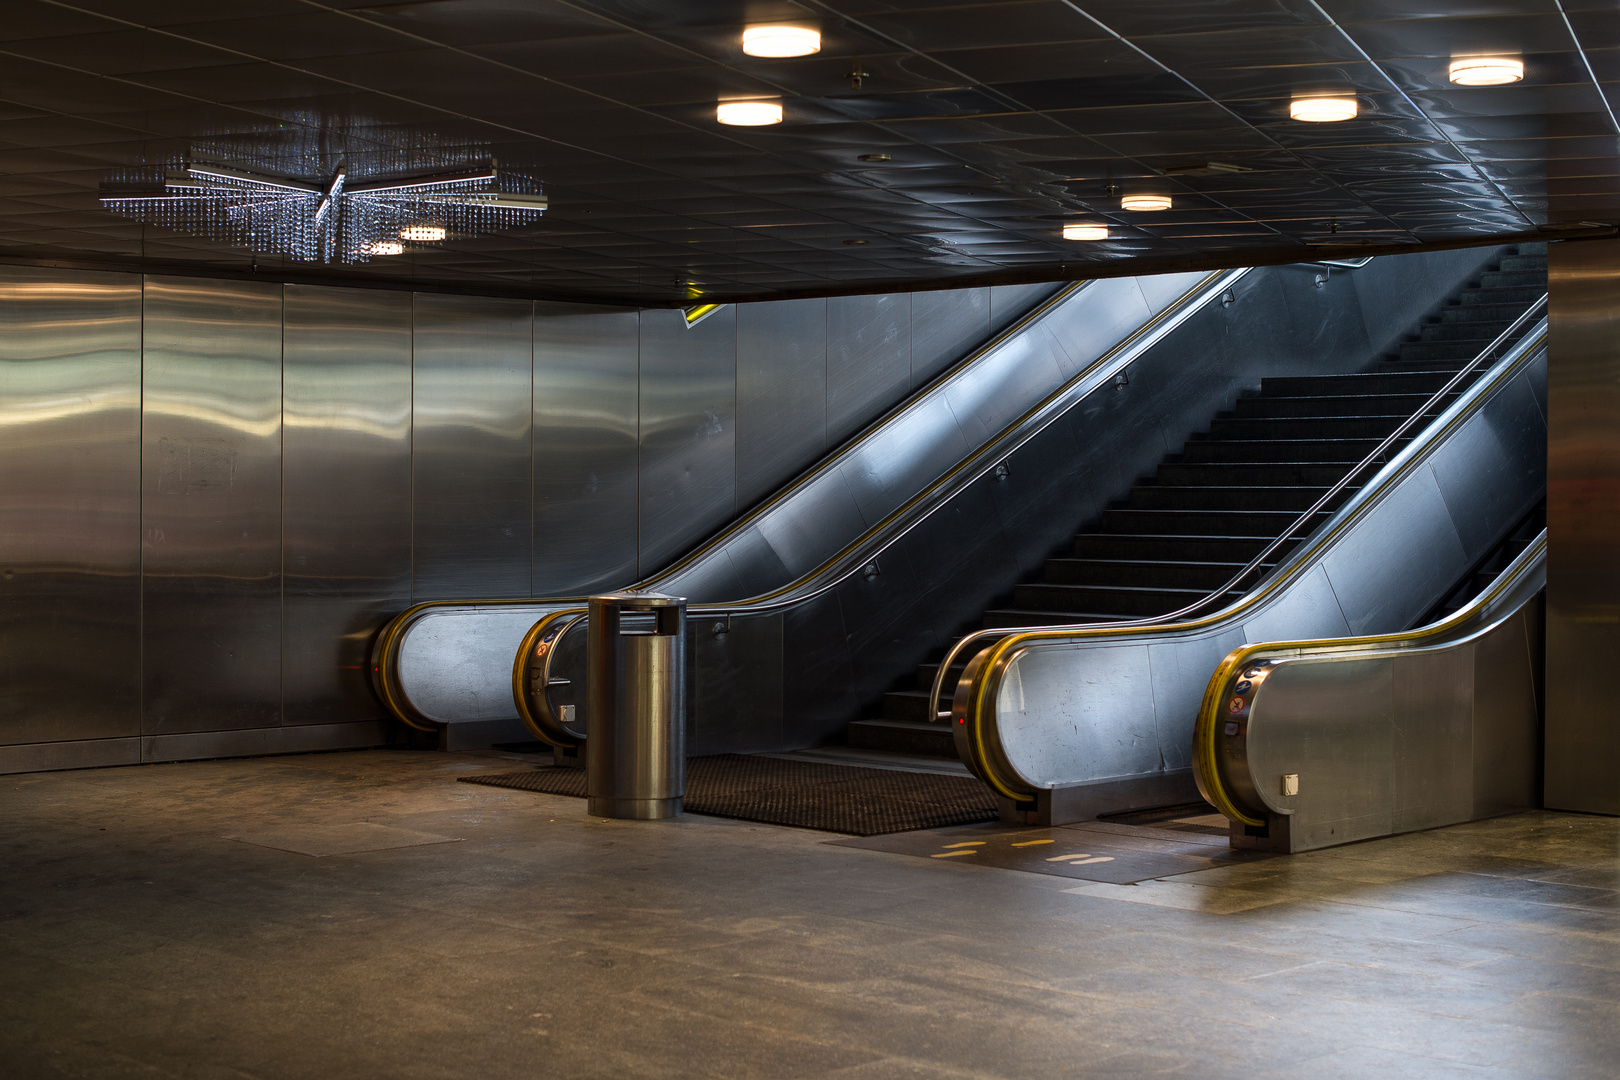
1216 504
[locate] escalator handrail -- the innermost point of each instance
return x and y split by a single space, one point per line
1204 602
1439 634
1410 457
978 464
834 570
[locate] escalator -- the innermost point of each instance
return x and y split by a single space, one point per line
1066 720
881 553
1310 744
1232 490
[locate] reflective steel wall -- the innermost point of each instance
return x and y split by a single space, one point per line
211 505
688 431
346 501
1583 527
70 428
472 457
585 449
216 492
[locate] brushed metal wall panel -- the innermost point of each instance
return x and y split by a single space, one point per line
868 359
346 500
688 432
211 505
70 386
1583 527
471 447
1008 302
585 454
781 393
944 325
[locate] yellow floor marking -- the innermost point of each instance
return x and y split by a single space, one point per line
953 854
1031 843
965 843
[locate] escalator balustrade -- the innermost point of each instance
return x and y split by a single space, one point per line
1228 493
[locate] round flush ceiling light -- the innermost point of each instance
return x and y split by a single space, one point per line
1486 70
386 247
1145 202
1322 110
422 232
781 41
749 113
1084 231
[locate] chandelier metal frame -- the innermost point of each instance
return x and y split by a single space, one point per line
337 218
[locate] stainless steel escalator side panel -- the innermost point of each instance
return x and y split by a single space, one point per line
1309 744
874 476
450 662
1037 704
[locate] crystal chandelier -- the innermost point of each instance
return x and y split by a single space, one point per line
339 214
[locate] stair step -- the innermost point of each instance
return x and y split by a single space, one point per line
1515 279
1304 427
1213 497
925 674
1267 523
909 705
1151 574
1524 264
1319 405
1198 473
1482 332
1368 382
903 737
1124 602
1212 548
1324 451
1520 296
1455 353
1472 314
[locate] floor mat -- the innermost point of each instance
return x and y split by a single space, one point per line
808 795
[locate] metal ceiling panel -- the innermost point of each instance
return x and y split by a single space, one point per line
954 138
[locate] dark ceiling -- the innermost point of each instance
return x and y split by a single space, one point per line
1000 120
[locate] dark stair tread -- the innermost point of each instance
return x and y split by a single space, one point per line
903 736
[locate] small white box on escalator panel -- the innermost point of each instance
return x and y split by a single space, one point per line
1290 784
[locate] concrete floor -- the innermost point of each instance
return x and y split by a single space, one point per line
135 940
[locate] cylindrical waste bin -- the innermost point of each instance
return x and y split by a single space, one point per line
636 726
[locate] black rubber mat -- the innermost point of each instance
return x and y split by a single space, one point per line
808 795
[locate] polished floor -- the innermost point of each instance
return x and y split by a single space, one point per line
362 915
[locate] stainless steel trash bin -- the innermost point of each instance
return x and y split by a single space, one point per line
636 726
